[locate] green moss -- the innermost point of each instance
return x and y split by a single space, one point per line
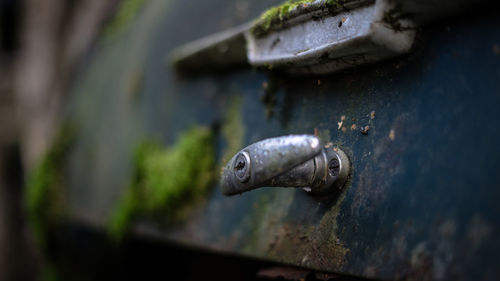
126 12
269 66
167 180
233 129
44 196
275 16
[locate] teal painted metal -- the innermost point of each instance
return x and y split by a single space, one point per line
423 198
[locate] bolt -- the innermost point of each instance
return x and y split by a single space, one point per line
334 167
242 167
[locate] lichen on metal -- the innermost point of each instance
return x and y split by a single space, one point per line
166 181
276 234
275 16
233 128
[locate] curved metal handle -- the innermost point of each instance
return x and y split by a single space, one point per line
288 161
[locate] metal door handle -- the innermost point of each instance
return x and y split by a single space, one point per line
287 161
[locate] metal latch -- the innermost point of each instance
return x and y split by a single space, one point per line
303 37
287 161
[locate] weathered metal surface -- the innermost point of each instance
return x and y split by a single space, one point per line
317 36
306 37
321 40
422 202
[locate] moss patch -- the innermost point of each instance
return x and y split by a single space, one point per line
126 12
167 180
233 129
275 16
44 196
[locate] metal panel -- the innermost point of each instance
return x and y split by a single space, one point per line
423 199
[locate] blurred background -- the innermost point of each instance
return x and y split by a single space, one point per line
41 44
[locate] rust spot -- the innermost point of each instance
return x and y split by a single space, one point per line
314 246
364 130
353 127
341 123
372 115
421 263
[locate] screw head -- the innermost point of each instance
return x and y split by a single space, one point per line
241 166
334 170
334 167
